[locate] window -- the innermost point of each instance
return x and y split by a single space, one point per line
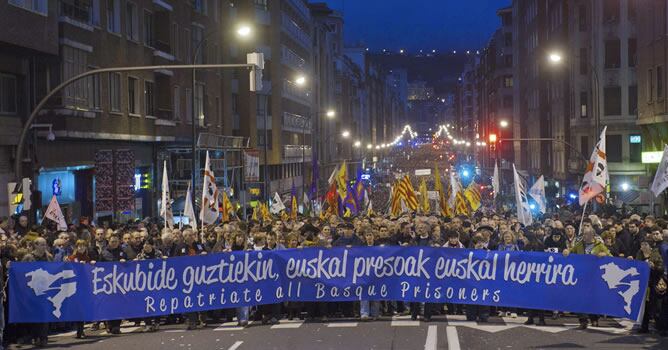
74 63
39 6
199 103
176 103
175 41
584 63
215 10
635 152
633 100
133 96
508 81
76 10
95 13
189 105
659 82
632 9
94 91
149 98
582 18
199 6
613 148
508 39
508 101
584 145
260 138
198 46
583 104
115 92
650 85
261 4
633 52
613 100
187 46
148 29
114 16
611 10
508 61
131 21
7 93
612 54
235 98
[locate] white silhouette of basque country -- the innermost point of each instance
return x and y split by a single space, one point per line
614 276
42 282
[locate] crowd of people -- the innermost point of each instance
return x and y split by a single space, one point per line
630 237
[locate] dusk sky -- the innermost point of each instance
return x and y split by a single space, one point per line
419 24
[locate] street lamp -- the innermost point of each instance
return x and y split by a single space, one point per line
368 146
300 80
555 57
357 144
504 123
330 114
345 134
244 31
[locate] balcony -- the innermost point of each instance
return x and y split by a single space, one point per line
296 93
295 152
301 8
291 59
296 32
296 123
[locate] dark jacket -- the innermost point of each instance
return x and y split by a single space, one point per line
113 254
344 241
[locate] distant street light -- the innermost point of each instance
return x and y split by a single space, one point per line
625 186
301 80
330 114
357 144
368 146
244 31
345 134
504 123
555 58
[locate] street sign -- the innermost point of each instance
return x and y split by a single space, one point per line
422 172
251 165
651 157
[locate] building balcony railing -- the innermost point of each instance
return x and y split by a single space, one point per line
295 32
291 59
76 10
296 123
295 152
295 93
301 9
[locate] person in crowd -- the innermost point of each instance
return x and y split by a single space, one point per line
369 309
114 252
650 254
81 255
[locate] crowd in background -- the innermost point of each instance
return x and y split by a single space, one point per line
630 237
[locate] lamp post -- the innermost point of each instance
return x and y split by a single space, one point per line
243 31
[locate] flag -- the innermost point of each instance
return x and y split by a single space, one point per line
54 214
523 211
537 192
408 193
424 197
661 178
342 180
495 180
209 212
369 208
264 212
166 202
455 187
332 176
306 202
442 203
255 210
332 199
189 211
278 205
359 191
226 207
293 203
395 204
472 194
596 176
461 207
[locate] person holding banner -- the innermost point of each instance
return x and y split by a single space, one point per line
39 332
650 254
81 255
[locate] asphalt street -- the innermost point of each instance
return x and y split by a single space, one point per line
443 332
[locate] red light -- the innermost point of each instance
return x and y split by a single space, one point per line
492 138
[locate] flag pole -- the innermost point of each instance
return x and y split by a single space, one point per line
584 209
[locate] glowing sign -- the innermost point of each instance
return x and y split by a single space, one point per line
651 157
635 139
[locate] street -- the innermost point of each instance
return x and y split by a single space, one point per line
399 332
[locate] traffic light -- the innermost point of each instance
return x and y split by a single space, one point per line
256 58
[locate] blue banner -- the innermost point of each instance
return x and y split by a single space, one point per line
57 292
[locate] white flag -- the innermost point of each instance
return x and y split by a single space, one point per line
332 177
277 204
306 203
523 211
189 211
495 180
209 211
661 177
166 202
596 176
54 214
455 187
537 192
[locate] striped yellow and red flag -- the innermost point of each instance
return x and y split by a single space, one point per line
408 193
472 194
395 204
461 207
442 202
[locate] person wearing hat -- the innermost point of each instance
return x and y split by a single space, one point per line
348 237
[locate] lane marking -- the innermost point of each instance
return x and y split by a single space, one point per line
452 338
404 321
287 324
342 325
431 342
231 326
175 331
236 345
